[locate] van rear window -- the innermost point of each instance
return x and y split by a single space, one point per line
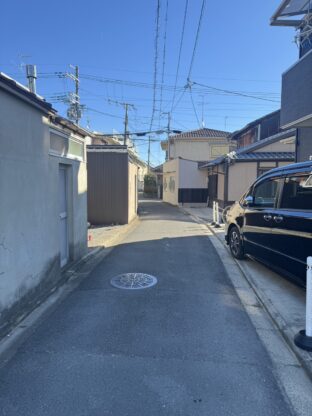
297 193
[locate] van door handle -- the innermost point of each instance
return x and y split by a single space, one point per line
278 218
267 217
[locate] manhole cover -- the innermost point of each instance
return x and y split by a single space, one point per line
133 281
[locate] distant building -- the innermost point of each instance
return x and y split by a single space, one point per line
261 146
197 145
43 221
183 183
296 106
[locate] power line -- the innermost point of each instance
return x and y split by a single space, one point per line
164 57
235 93
194 108
196 38
179 56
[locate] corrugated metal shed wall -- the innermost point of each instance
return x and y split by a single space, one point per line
107 187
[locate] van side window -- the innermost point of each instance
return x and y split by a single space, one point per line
265 193
297 193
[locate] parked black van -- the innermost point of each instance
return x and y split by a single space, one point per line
273 220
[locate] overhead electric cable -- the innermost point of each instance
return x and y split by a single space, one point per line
235 93
196 38
179 57
194 108
164 58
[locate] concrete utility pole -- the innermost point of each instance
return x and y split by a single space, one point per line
126 123
149 153
74 111
126 107
77 94
168 132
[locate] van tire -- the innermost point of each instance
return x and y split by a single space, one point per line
236 243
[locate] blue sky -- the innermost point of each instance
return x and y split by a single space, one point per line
114 41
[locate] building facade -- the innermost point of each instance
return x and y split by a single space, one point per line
43 181
296 105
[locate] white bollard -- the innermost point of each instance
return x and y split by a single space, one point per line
304 338
217 224
213 213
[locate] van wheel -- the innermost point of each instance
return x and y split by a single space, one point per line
235 243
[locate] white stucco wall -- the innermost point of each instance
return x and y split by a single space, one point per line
198 150
29 206
171 181
190 176
241 176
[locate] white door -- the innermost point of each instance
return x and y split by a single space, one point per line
63 215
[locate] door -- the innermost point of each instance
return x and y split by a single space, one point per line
258 218
212 189
292 226
63 215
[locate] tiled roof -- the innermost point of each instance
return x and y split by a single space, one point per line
201 133
264 156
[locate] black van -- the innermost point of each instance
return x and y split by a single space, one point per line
273 220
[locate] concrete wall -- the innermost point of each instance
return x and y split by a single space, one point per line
241 176
29 209
190 176
198 150
132 191
171 181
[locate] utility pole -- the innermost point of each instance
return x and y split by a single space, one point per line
77 93
126 123
74 111
168 132
126 107
149 153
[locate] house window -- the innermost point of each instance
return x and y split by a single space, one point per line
64 146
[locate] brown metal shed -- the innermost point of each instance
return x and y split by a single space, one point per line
112 185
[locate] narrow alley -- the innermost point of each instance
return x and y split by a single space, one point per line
182 347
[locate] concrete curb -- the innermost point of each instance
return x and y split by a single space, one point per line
304 358
71 278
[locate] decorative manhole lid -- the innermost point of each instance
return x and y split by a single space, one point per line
133 281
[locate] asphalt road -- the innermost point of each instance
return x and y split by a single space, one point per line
183 347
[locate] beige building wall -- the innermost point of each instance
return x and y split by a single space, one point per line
279 147
241 176
199 150
132 191
190 176
171 181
